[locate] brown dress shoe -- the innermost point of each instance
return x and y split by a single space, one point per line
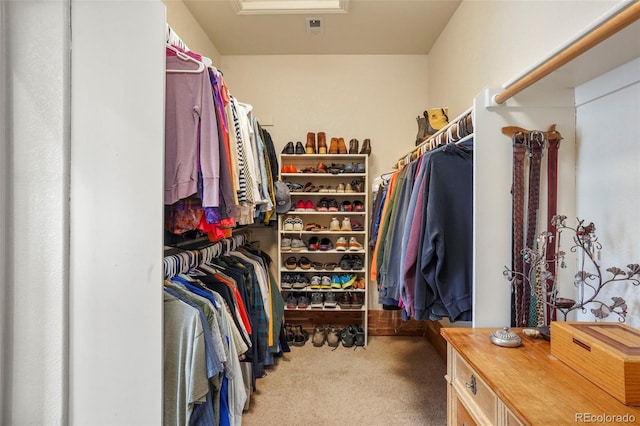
310 147
366 147
353 146
322 143
342 148
333 148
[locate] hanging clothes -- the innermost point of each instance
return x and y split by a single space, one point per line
426 222
221 315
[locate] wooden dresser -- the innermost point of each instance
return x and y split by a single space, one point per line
493 385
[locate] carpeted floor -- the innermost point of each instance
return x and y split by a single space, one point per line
394 381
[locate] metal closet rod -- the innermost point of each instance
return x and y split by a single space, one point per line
605 30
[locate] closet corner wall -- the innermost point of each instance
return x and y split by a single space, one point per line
610 66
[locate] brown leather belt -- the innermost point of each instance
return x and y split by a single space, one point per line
536 146
519 151
552 210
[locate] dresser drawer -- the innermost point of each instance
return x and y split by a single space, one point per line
480 400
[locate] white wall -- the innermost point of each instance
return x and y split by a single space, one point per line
608 176
353 96
117 147
35 233
486 43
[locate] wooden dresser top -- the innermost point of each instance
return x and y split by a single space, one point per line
535 385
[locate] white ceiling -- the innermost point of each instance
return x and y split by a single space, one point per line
369 27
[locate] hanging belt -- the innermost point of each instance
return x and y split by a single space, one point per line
536 146
519 150
552 210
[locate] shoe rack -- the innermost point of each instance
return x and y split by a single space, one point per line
313 243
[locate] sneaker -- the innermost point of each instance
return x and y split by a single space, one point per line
333 205
330 300
303 302
334 225
315 283
285 282
325 282
300 282
354 245
317 299
333 336
297 244
347 336
358 206
346 224
346 206
341 244
336 282
325 244
292 302
285 244
347 280
313 244
340 188
297 225
323 205
319 336
348 188
308 206
300 206
287 225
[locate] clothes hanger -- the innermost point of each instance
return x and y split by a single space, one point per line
186 58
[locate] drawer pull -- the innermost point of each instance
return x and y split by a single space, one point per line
472 385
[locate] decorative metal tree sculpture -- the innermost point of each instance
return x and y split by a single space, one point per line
588 284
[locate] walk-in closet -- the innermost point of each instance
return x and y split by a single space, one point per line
194 230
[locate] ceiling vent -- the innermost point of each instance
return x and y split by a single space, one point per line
314 25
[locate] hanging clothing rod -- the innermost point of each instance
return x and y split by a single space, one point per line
594 36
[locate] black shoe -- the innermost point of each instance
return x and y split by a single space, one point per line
300 148
288 148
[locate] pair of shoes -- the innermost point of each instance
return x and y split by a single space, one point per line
288 168
330 300
337 146
342 188
292 224
357 185
335 225
357 300
310 147
351 262
356 226
305 206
